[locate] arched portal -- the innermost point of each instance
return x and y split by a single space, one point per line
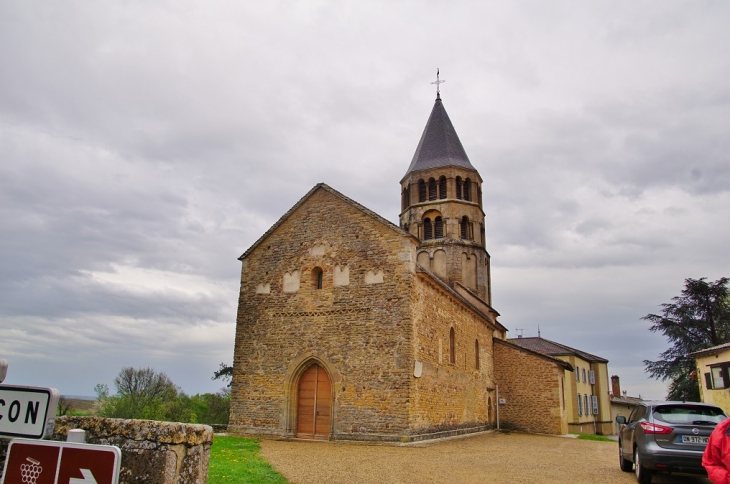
314 404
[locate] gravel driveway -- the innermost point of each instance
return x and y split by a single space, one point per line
487 457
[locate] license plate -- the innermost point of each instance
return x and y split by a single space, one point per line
691 439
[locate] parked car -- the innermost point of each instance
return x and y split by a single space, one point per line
666 437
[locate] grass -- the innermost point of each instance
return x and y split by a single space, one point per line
599 438
237 460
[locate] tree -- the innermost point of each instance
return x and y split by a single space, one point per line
224 373
142 393
696 320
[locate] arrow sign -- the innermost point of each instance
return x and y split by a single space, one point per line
88 478
61 463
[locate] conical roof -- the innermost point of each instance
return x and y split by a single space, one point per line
439 145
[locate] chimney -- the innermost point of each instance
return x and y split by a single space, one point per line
615 386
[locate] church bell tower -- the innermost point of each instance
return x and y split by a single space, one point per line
441 204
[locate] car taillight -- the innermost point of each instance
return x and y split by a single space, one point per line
650 428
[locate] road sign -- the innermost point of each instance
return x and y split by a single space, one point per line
47 462
27 411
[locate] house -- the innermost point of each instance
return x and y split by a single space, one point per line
621 404
712 374
352 327
588 403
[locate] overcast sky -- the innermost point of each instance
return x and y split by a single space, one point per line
145 145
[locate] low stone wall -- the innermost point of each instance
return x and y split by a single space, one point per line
152 452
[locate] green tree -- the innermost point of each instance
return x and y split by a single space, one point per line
142 393
224 372
696 320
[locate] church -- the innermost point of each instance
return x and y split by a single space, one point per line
352 328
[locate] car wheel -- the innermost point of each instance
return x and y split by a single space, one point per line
643 475
625 465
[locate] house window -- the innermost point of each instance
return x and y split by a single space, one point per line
595 404
421 191
586 407
580 405
584 375
718 380
438 228
577 374
317 277
427 229
432 195
476 354
592 377
452 347
442 187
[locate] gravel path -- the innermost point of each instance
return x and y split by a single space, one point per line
487 457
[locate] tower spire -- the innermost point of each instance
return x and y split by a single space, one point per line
437 82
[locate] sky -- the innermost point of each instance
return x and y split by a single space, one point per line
145 145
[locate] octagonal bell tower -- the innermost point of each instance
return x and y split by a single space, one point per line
441 204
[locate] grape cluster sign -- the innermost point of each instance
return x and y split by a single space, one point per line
47 462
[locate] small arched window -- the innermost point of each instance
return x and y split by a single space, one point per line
476 354
406 202
458 187
438 228
464 226
317 277
452 347
427 229
467 189
421 191
442 187
432 195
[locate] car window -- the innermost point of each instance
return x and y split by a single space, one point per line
689 414
636 414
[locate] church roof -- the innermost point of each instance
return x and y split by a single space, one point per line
327 188
439 145
552 348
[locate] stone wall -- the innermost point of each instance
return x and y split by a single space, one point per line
152 452
450 394
358 331
533 388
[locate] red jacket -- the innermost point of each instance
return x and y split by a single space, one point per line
716 458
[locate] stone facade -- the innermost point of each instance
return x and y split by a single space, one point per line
532 387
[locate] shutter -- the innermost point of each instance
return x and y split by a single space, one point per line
708 380
592 377
580 405
595 404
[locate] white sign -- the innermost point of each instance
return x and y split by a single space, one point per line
27 411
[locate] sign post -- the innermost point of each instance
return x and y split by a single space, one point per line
49 462
27 411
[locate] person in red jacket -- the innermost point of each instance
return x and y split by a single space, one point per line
716 459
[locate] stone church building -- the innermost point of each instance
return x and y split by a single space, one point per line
350 327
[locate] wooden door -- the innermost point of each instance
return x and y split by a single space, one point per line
314 407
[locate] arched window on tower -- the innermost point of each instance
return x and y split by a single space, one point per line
458 187
452 347
427 229
317 277
406 201
432 195
479 195
438 228
421 191
465 227
442 187
467 189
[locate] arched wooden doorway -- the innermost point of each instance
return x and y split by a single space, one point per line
314 405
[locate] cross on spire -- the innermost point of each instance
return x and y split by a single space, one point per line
437 82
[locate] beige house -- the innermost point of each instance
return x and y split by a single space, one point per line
351 327
587 393
621 404
712 375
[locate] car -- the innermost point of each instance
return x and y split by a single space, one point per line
666 437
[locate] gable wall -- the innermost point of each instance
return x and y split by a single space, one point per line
531 387
359 331
447 395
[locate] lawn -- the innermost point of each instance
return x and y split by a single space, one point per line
237 460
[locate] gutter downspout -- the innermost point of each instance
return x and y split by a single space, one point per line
497 402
